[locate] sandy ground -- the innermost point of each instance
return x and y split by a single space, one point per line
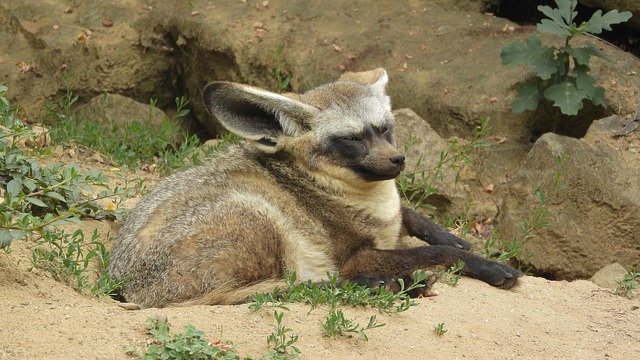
43 319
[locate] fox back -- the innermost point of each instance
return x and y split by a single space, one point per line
310 191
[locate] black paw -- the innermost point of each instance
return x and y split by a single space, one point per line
501 276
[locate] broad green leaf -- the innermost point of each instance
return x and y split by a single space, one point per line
597 98
599 22
583 54
55 195
553 14
566 96
585 83
553 27
14 187
531 52
36 201
565 9
528 97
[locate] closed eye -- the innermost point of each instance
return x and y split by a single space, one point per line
351 138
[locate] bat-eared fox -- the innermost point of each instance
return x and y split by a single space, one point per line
311 190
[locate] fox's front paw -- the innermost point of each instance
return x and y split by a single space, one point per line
502 276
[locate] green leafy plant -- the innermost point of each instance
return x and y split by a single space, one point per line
337 324
67 257
416 187
537 219
282 341
439 329
37 200
188 345
561 72
282 81
630 284
452 275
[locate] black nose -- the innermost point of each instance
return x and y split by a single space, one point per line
397 160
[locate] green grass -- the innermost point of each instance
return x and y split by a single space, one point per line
331 293
133 144
334 294
452 275
191 344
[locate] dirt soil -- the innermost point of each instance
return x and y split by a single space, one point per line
44 319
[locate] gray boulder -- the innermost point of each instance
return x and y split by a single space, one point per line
108 109
595 220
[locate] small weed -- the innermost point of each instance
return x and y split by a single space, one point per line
538 219
562 73
282 341
452 275
283 82
439 329
416 187
630 285
188 345
336 324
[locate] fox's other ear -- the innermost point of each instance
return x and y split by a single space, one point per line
377 78
256 114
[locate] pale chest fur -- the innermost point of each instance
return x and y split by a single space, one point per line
382 205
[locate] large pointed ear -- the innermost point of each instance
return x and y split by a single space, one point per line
256 114
376 78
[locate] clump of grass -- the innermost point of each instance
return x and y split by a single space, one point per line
335 294
283 81
135 143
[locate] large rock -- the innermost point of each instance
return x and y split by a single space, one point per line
49 48
442 56
594 221
108 109
443 64
424 148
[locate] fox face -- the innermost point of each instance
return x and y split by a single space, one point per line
341 131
